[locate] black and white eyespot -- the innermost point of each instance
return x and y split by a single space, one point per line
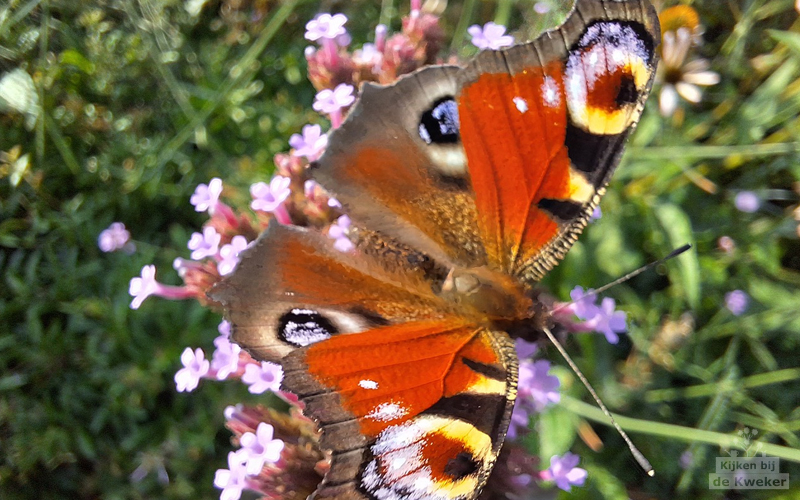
303 327
607 71
439 125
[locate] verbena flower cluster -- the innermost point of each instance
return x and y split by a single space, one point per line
279 454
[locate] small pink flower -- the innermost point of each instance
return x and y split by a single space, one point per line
233 479
311 144
183 265
260 448
225 359
747 202
195 366
205 197
146 285
736 302
116 237
326 26
267 197
491 36
338 232
205 244
565 471
262 377
229 255
330 101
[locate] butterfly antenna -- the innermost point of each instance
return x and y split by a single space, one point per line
643 462
630 275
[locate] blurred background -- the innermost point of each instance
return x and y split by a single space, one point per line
116 110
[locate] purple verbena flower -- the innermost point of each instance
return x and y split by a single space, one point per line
330 101
604 319
262 377
229 255
233 479
564 471
490 36
146 285
584 303
195 366
736 302
225 359
268 197
537 388
747 202
310 144
224 328
259 448
526 350
326 26
596 214
115 237
183 265
205 197
338 232
518 425
205 244
381 31
610 322
686 459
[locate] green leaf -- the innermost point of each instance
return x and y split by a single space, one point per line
557 428
678 228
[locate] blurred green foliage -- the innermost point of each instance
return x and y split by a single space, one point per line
132 104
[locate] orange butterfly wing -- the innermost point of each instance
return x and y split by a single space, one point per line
543 126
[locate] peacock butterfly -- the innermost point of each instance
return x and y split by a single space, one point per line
465 186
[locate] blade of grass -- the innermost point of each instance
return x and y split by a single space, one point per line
20 14
676 432
237 76
710 152
703 390
464 21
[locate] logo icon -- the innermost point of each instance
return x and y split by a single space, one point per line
752 470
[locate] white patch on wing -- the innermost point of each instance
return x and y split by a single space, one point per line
521 104
386 412
550 92
400 469
368 384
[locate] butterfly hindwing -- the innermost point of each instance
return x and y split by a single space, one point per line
416 410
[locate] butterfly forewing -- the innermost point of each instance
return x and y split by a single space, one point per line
543 125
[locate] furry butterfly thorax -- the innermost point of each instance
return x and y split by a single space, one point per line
466 185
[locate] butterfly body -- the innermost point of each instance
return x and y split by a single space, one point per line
465 186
